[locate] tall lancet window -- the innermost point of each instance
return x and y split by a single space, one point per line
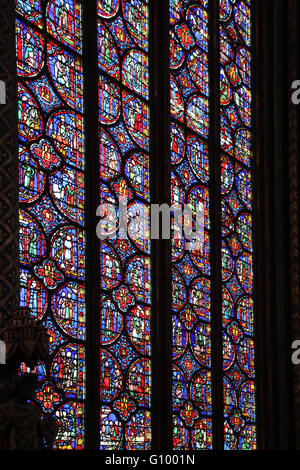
52 201
237 169
87 130
189 87
125 308
197 147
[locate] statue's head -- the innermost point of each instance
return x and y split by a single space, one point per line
24 387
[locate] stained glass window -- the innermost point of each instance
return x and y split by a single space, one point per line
52 174
190 97
125 384
237 232
54 179
192 399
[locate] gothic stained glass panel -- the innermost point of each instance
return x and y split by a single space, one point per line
52 206
52 236
237 216
192 398
125 382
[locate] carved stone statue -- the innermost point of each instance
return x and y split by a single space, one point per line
22 426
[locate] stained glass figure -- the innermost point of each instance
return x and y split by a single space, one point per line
52 238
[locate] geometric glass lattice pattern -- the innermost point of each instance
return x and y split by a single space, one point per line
51 181
52 188
237 232
125 381
190 178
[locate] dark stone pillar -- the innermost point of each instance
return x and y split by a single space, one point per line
162 425
274 144
9 268
294 194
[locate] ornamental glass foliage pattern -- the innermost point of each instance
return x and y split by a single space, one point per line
237 215
52 173
192 398
125 381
